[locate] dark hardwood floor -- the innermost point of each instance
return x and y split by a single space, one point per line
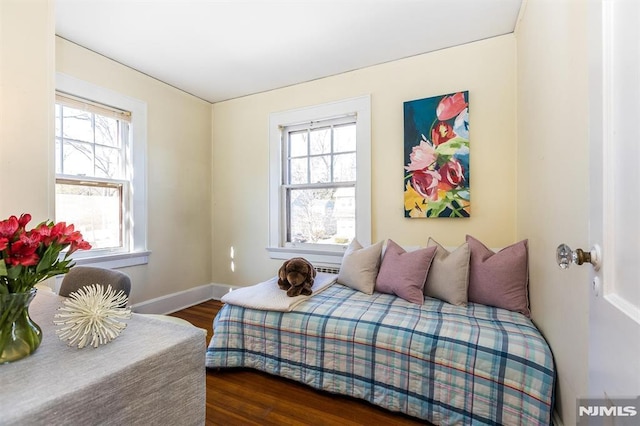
249 397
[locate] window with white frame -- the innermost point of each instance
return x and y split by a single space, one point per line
99 161
320 181
92 188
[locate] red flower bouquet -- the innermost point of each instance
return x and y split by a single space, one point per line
30 256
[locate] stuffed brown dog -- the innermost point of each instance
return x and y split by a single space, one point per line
296 276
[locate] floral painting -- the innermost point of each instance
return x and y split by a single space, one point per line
436 156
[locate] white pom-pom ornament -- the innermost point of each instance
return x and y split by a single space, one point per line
90 316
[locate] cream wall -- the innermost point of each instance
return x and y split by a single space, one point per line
240 153
178 173
26 108
553 173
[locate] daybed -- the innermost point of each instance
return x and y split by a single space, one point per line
444 363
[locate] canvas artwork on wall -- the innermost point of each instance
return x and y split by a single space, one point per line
436 156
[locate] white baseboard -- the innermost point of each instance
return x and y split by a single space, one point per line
220 290
183 299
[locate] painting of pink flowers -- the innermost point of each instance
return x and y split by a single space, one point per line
436 156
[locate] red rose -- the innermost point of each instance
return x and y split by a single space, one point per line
452 173
425 182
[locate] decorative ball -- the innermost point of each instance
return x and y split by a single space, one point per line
90 316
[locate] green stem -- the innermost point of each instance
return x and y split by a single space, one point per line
19 336
11 306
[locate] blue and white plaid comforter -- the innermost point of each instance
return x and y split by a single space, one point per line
442 363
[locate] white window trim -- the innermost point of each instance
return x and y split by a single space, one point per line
138 253
330 255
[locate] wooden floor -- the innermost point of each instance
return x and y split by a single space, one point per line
249 397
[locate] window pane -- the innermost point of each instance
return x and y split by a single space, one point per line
77 158
108 162
107 131
344 167
77 124
321 141
320 169
57 154
298 171
93 210
344 138
58 121
345 214
322 216
298 144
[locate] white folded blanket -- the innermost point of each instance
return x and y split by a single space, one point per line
269 297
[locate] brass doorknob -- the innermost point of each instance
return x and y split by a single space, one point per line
565 256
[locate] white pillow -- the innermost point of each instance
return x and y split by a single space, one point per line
360 266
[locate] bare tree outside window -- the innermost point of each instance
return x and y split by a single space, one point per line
90 173
320 184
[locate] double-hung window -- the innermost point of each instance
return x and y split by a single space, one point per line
320 180
92 189
95 187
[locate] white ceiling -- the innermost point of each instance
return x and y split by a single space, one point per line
224 49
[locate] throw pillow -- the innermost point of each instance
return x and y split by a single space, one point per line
448 277
404 273
499 279
360 266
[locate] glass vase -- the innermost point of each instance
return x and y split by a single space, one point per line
19 335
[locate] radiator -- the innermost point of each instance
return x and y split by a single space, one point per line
327 269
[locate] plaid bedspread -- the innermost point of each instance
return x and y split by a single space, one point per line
442 363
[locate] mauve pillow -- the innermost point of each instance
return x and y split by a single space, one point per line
448 277
404 273
499 279
360 266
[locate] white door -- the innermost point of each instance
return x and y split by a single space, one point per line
614 311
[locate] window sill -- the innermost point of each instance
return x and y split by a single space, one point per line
120 260
315 256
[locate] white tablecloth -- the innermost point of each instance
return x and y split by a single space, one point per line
152 374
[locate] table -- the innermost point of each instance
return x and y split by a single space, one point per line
152 374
